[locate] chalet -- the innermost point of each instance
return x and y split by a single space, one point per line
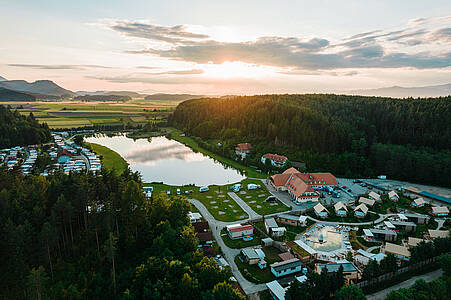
440 211
350 272
360 211
273 229
243 149
340 209
276 160
238 231
400 252
375 196
276 290
419 202
412 241
393 196
286 267
321 211
292 220
366 201
433 234
417 218
379 235
405 226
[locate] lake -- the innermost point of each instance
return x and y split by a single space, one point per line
168 161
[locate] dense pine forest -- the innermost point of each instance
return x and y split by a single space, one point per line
18 130
406 139
96 237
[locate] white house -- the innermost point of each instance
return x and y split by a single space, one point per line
393 196
194 217
320 210
273 228
238 231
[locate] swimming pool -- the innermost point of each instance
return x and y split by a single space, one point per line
323 238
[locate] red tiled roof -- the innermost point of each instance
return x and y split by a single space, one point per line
244 147
241 228
64 152
280 179
297 186
291 171
275 157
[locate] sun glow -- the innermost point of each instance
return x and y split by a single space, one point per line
236 69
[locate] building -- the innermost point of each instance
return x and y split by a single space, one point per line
375 196
321 211
340 209
419 202
414 192
273 229
412 241
400 252
405 225
276 160
417 218
243 149
302 251
286 267
292 220
302 186
267 242
375 234
200 226
276 290
440 211
433 234
238 231
366 201
253 257
194 217
205 239
64 156
361 210
350 272
363 257
393 196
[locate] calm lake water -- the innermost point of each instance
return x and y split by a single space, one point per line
168 161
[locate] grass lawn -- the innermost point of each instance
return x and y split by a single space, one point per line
272 254
366 244
394 206
256 198
111 160
253 273
239 243
250 172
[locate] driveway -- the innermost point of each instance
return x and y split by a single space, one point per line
405 284
252 214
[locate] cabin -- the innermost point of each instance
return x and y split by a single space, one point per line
405 226
273 229
238 231
366 201
419 202
440 211
194 217
361 211
267 242
253 256
340 209
205 239
243 149
433 234
286 267
375 234
375 196
276 160
393 196
292 220
417 218
412 241
350 272
276 291
400 252
363 257
321 211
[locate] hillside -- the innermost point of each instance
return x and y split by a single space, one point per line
119 93
18 130
404 92
102 98
43 87
347 135
173 97
9 95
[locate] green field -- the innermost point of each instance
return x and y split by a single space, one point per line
72 114
111 160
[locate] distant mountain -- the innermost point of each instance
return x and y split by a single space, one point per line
173 97
9 95
115 93
404 92
84 93
43 87
2 78
103 98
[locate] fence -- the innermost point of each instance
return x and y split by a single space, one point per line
391 275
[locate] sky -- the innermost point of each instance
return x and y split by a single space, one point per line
226 47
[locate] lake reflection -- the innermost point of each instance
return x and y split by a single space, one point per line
168 161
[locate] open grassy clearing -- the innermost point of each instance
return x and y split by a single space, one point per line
253 273
111 160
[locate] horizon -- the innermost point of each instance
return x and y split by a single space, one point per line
233 48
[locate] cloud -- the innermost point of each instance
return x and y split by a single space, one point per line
373 49
59 67
169 34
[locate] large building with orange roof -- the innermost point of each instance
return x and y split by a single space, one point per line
302 186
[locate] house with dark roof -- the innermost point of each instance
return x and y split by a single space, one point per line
417 218
350 272
286 267
205 239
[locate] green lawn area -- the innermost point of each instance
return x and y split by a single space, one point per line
253 273
366 244
111 160
239 243
394 206
256 198
272 254
250 172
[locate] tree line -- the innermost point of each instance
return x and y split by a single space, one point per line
348 135
81 236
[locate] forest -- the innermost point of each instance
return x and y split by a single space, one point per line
80 236
18 130
353 136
